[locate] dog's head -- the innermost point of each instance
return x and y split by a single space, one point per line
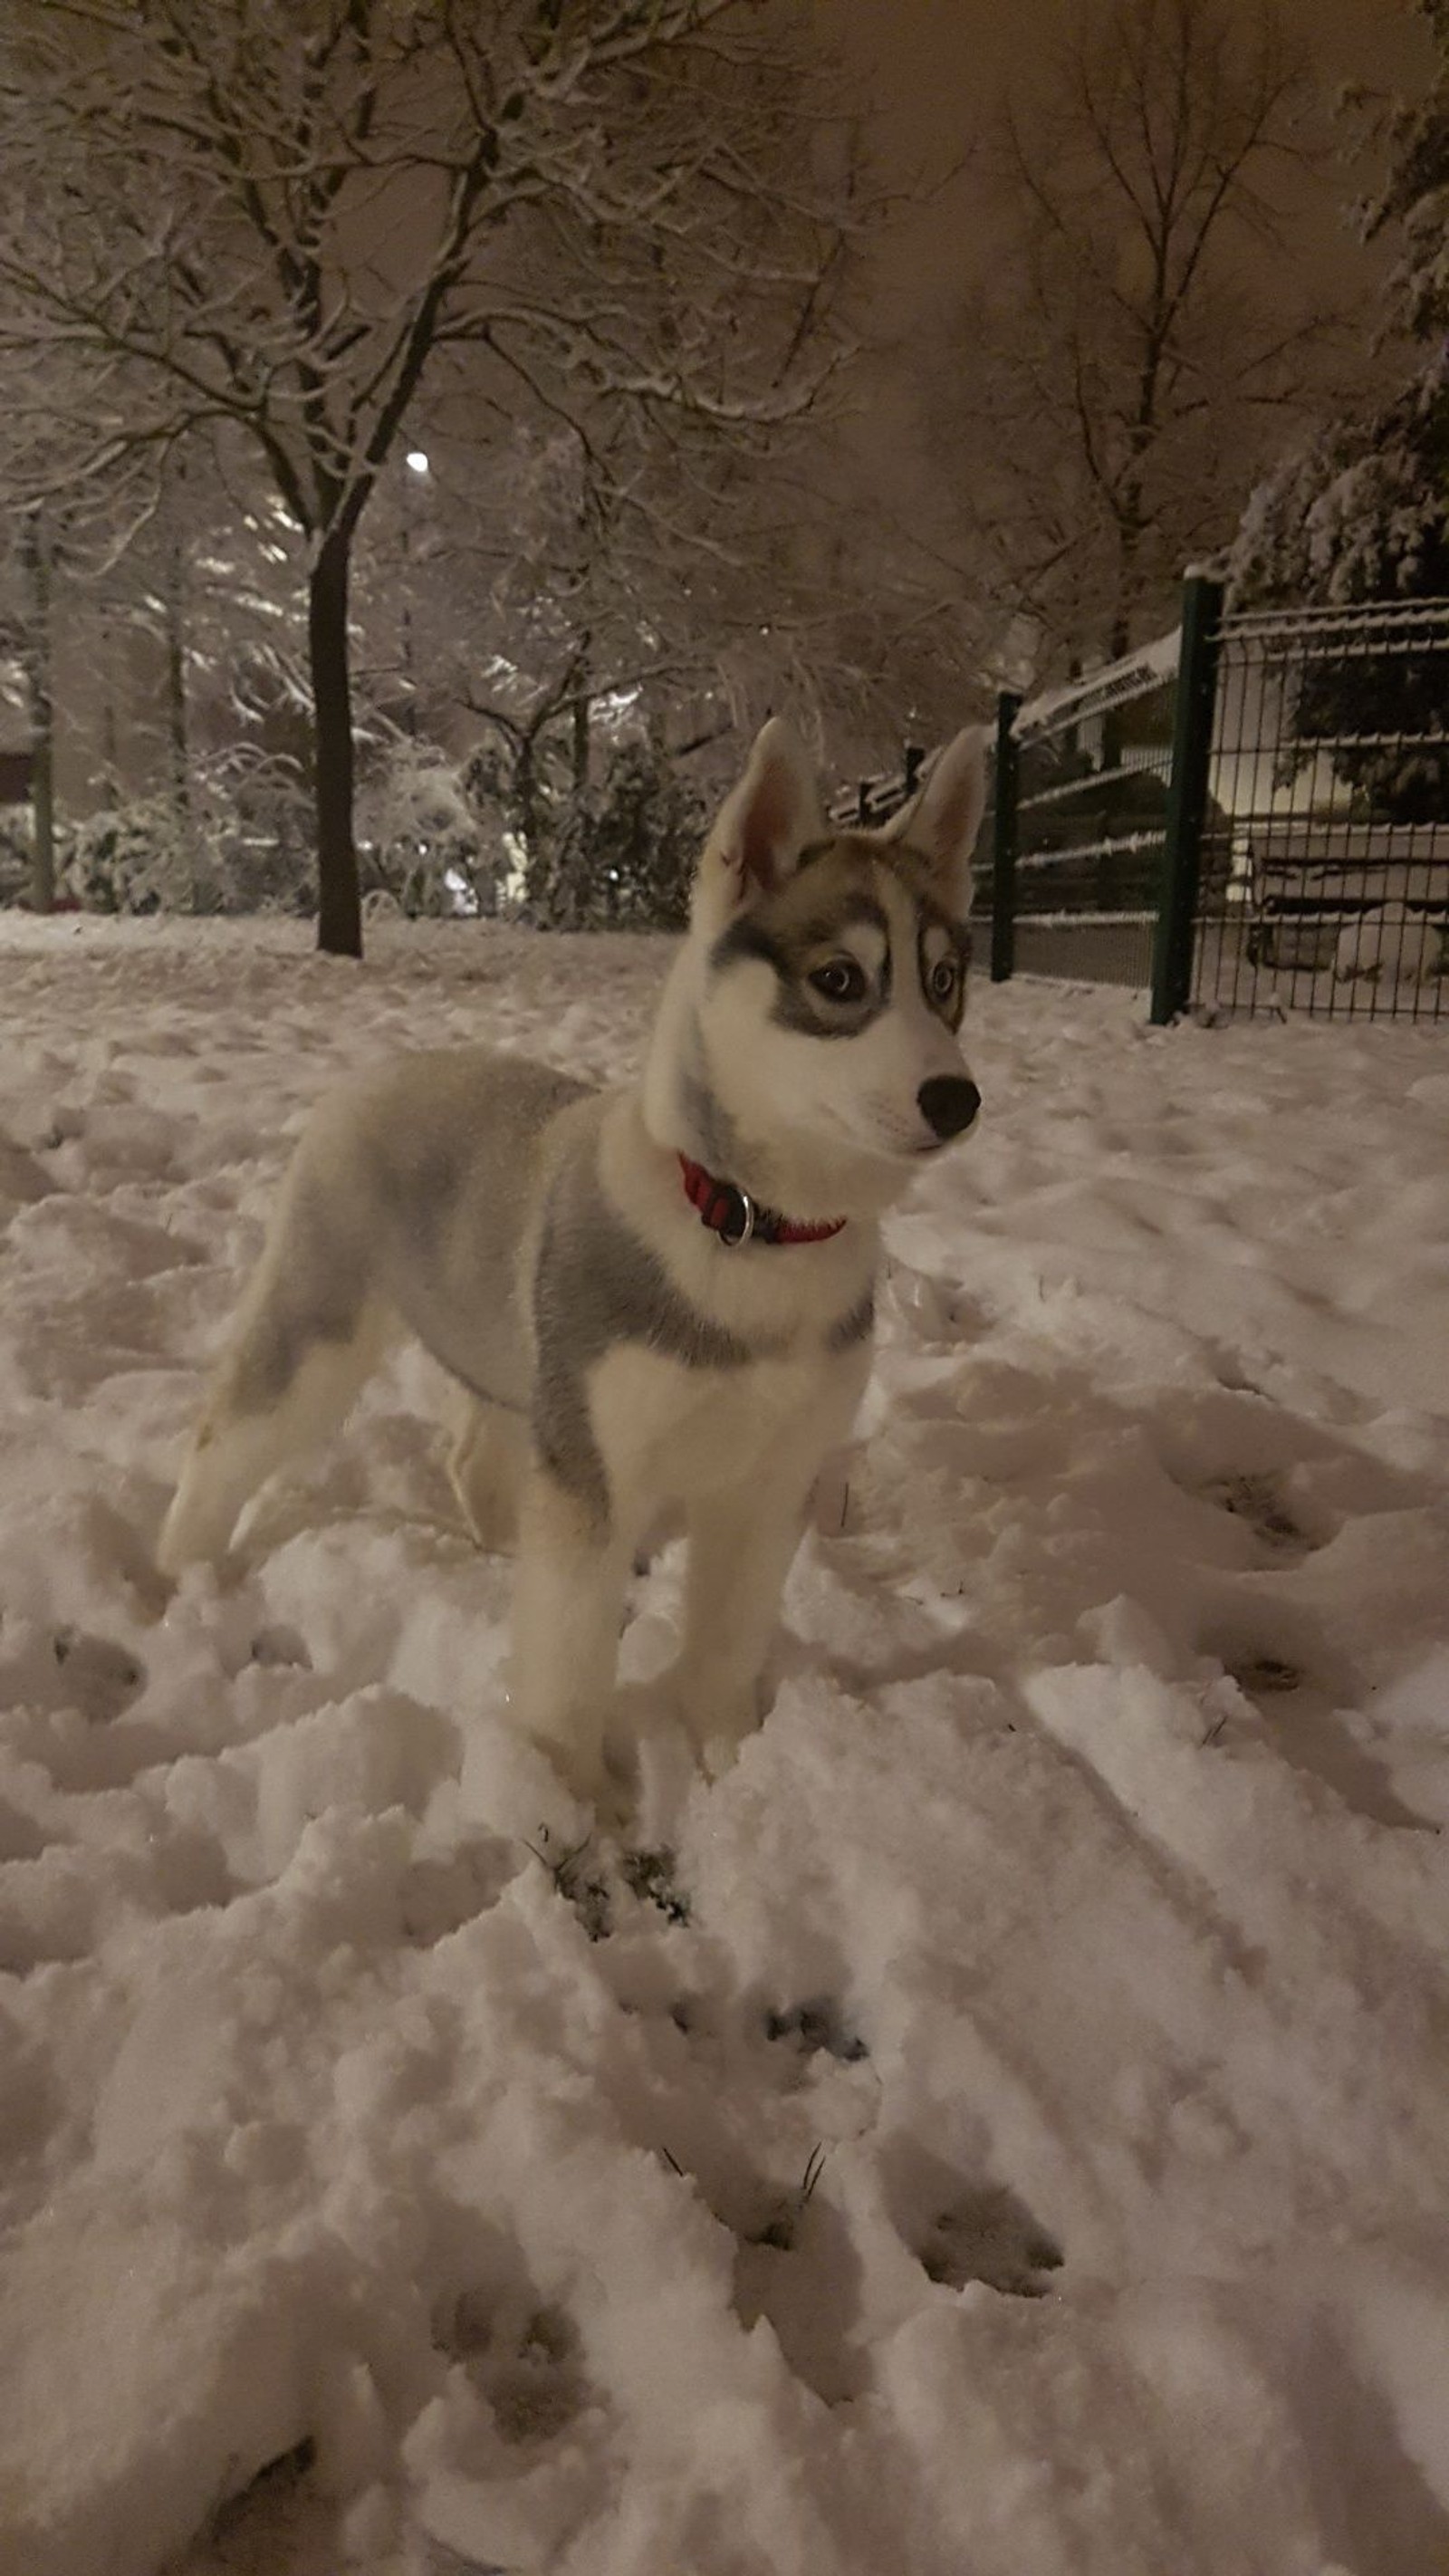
832 965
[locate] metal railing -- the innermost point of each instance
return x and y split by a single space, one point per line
872 801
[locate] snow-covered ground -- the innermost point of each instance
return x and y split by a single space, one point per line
380 2194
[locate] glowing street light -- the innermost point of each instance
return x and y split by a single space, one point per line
416 462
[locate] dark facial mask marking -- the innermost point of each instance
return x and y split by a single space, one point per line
794 938
958 950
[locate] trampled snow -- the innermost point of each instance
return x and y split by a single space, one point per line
999 2129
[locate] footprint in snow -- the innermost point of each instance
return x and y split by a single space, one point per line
1258 1501
22 1179
587 1879
1306 1715
989 2235
522 2356
811 2027
76 1670
439 1896
264 2524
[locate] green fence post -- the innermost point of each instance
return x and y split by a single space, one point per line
1192 744
1004 845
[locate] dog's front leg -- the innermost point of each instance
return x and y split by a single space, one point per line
568 1603
741 1547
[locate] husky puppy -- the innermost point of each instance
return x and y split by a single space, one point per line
657 1299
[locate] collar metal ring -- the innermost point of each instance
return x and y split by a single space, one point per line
732 1241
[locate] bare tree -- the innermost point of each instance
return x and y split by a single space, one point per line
147 644
196 630
1106 399
653 582
54 550
281 216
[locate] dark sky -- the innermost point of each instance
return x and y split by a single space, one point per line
935 68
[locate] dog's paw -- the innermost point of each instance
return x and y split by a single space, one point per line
614 1800
711 1722
583 1773
719 1722
639 1710
600 1776
717 1755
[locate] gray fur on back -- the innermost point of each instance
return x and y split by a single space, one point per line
437 1166
468 1196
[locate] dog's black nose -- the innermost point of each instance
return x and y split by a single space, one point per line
948 1103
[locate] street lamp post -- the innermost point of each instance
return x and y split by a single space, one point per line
417 464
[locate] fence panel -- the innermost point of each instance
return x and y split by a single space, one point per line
1324 883
1093 788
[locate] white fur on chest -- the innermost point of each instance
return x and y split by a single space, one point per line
789 1295
669 1434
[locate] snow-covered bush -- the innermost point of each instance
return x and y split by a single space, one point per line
523 786
1390 945
242 845
423 841
1361 512
1362 515
252 822
626 853
15 859
136 857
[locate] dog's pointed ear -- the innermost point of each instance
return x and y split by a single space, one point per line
942 821
765 822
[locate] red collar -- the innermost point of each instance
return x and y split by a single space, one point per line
737 1218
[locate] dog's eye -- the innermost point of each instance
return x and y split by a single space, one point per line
942 980
841 981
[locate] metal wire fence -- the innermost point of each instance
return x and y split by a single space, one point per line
1324 873
1248 814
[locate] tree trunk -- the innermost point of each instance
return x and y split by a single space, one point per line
41 713
339 900
177 745
110 737
176 727
1119 645
410 686
525 797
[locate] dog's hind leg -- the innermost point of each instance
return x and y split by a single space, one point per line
487 1466
308 1336
244 1437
